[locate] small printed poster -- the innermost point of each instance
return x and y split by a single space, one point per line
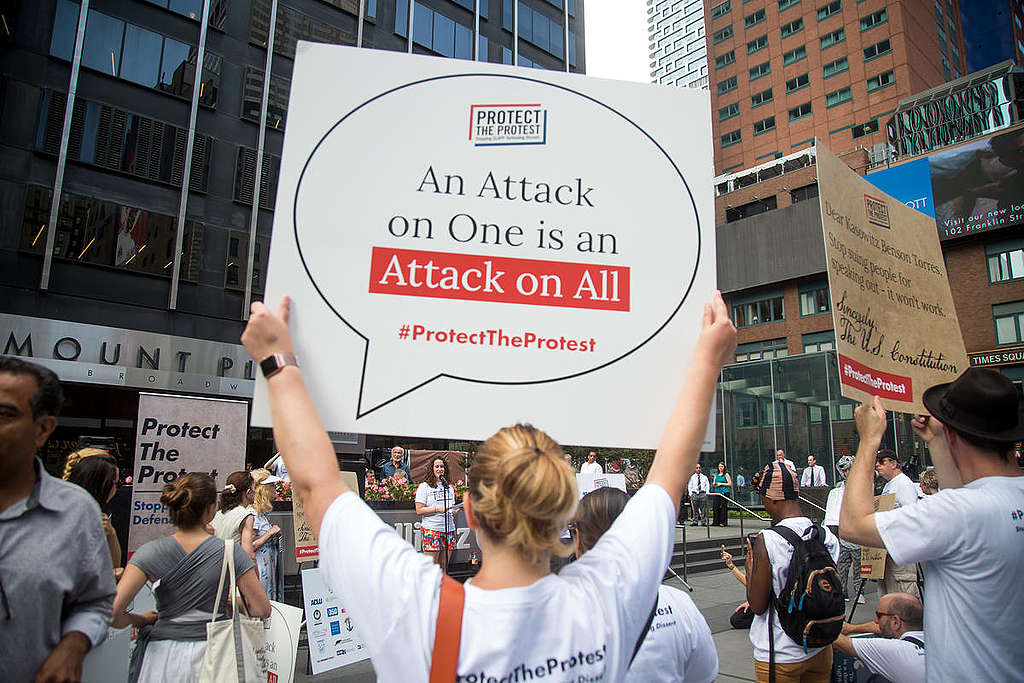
333 639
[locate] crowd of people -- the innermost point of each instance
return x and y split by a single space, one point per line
953 543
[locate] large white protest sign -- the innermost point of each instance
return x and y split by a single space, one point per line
469 245
176 435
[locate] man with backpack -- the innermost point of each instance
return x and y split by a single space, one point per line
792 586
898 654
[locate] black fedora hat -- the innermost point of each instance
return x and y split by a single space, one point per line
981 403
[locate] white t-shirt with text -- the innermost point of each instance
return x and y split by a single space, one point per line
581 624
904 488
970 542
899 660
678 645
780 552
436 496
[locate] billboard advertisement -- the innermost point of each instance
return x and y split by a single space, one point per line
973 188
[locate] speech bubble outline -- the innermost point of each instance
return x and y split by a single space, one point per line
360 413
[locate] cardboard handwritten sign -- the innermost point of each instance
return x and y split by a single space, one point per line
507 240
306 547
872 560
896 327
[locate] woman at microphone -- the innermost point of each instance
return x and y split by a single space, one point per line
433 497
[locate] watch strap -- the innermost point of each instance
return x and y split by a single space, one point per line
274 363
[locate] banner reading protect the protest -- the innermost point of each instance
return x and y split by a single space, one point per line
176 435
526 245
896 327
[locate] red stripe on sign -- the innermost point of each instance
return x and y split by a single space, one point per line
865 569
875 382
306 551
495 279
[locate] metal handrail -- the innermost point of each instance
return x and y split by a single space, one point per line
812 503
741 506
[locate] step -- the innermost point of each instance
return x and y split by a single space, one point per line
700 567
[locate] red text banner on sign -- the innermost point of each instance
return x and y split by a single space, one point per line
875 382
501 280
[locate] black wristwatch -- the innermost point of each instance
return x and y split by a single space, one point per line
274 363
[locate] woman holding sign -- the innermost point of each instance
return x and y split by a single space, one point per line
435 499
581 624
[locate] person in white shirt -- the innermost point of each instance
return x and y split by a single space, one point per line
813 474
435 500
898 652
591 466
519 620
780 455
677 645
698 488
767 570
968 536
896 579
849 553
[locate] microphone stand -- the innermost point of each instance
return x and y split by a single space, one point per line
444 539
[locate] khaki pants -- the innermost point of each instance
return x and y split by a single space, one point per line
899 579
817 669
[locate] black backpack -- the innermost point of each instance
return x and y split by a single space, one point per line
811 606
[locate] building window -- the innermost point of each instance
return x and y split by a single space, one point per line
880 48
764 125
864 129
804 193
794 55
836 67
749 209
760 98
754 19
245 177
731 138
831 9
293 26
534 28
726 59
880 81
1009 320
722 35
797 83
1005 260
874 19
757 44
818 341
721 9
792 27
729 111
727 85
252 97
760 70
800 112
814 299
104 233
761 350
786 4
833 38
761 311
836 98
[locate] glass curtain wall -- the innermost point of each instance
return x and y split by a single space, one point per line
792 403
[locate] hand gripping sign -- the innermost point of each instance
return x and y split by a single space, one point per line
491 227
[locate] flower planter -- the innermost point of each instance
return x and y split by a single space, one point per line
392 504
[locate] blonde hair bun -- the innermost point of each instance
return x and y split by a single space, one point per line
522 490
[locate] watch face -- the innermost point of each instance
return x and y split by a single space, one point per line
268 365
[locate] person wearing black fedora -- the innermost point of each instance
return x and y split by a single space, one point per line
969 537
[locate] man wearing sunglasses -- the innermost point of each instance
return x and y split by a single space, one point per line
898 654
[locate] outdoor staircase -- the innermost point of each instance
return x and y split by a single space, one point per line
703 554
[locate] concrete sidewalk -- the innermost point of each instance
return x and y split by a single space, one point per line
716 594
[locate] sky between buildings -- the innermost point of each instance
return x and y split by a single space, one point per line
616 39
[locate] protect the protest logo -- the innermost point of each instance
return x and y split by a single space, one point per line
877 212
507 124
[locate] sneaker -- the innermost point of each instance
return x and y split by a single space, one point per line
846 598
861 600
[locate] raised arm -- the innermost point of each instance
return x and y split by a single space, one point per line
932 433
299 435
676 457
857 516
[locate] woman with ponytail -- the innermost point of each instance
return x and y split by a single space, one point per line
518 621
187 565
234 518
